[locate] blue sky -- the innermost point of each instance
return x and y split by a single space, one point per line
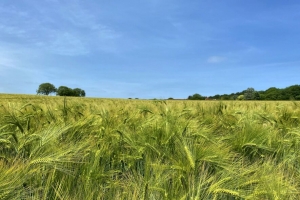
149 48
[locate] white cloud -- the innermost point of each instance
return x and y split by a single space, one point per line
61 28
216 59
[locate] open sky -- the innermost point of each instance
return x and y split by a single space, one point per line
149 48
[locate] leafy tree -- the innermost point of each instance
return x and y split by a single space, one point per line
196 97
64 91
291 92
82 94
217 96
272 93
78 92
249 94
225 97
240 97
256 96
233 96
46 89
262 96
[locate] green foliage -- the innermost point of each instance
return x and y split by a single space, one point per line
240 97
288 93
46 89
249 94
66 91
78 92
73 148
196 97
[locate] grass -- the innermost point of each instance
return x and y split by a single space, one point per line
86 148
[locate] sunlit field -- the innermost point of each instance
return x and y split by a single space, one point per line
85 148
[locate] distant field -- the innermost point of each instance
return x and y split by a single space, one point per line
88 148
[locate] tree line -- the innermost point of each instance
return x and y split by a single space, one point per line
273 93
48 88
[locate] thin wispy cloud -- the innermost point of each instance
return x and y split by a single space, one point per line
76 34
216 59
6 63
68 44
10 59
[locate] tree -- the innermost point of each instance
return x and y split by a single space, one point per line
196 97
82 94
64 91
256 96
78 92
249 94
272 93
225 97
234 97
217 96
240 97
46 89
291 92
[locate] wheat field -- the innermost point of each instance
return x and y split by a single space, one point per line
88 148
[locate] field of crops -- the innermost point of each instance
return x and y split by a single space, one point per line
84 148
